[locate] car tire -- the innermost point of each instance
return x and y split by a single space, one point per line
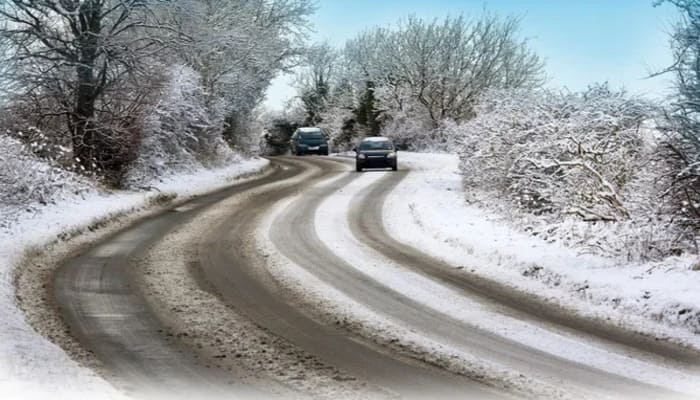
358 168
394 167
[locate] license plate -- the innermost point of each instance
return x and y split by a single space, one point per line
313 148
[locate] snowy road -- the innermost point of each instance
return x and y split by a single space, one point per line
302 254
100 300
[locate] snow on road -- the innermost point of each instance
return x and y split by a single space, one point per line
30 365
337 307
333 229
428 211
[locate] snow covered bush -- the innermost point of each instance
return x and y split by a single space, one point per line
277 132
340 126
181 133
28 182
416 134
571 152
583 168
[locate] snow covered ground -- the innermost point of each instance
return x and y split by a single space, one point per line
30 365
428 211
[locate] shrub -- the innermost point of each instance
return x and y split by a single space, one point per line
28 182
585 168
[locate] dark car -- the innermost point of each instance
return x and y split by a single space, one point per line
309 141
375 152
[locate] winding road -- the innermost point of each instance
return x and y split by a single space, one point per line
99 297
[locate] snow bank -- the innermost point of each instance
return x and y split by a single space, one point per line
30 365
28 183
428 211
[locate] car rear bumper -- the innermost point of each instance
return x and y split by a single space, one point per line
306 150
378 162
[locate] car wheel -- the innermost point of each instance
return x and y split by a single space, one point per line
358 168
394 167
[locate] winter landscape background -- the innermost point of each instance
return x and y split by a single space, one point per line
112 106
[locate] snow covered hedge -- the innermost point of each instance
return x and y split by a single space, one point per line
582 168
28 182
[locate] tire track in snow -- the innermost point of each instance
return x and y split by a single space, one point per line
239 275
333 228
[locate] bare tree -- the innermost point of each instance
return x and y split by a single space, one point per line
443 66
315 80
79 52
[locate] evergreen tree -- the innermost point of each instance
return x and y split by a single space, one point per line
366 112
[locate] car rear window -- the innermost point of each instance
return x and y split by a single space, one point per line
376 145
311 135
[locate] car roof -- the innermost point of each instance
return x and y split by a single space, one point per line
309 130
376 139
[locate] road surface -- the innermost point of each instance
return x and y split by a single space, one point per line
100 298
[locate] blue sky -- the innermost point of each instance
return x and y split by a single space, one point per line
582 41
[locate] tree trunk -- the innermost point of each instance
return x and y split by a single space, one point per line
86 143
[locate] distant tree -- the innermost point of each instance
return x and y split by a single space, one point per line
366 112
279 129
443 66
339 119
315 79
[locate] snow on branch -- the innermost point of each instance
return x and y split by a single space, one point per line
28 182
594 157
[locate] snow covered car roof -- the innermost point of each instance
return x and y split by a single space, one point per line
376 139
308 130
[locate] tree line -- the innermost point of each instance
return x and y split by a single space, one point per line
90 73
417 72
